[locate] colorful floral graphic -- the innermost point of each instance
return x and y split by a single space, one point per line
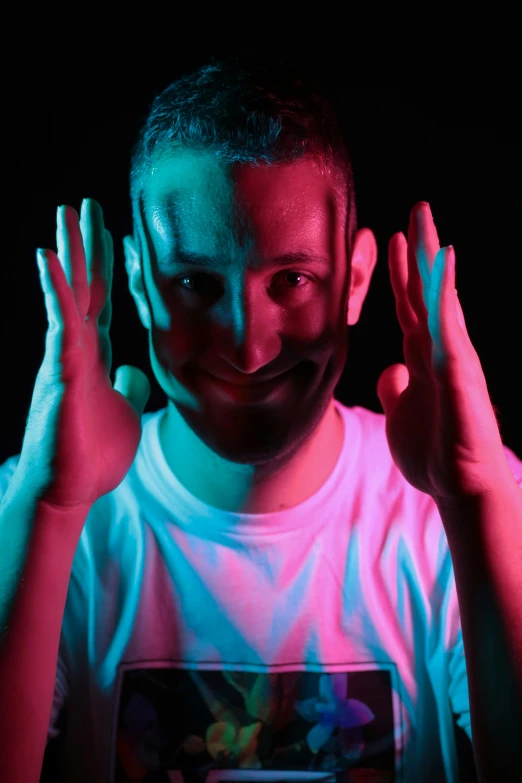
184 724
331 710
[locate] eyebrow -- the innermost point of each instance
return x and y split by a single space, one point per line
180 256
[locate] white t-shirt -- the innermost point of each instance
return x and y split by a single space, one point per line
316 641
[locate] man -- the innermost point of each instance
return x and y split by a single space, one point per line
269 593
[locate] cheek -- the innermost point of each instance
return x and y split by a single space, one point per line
318 319
177 333
180 343
318 314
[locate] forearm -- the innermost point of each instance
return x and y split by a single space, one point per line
485 540
37 582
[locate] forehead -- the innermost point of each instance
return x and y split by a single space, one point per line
202 196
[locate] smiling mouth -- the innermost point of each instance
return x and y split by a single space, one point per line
249 384
245 393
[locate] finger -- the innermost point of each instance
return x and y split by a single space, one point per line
105 315
60 304
93 231
423 246
104 321
398 266
71 254
436 313
416 343
446 319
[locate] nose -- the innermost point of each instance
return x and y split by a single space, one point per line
252 339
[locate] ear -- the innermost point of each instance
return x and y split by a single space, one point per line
133 265
363 260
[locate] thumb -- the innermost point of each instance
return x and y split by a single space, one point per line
391 385
134 385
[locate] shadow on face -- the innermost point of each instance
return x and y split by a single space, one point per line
240 275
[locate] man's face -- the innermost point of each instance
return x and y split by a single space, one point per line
266 297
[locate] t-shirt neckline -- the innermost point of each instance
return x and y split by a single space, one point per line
191 513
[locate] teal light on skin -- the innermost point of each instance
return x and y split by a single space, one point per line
243 316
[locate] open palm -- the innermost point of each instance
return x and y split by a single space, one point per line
440 424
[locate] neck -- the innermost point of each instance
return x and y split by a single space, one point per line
250 489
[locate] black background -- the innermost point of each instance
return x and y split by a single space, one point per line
431 108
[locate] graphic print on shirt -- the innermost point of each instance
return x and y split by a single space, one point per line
217 725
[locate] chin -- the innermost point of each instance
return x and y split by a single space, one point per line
258 436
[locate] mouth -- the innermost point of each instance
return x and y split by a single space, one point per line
246 393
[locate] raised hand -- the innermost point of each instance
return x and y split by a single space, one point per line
82 434
440 424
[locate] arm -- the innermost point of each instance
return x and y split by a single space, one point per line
37 545
81 438
443 435
485 542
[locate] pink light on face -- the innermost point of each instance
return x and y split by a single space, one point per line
248 393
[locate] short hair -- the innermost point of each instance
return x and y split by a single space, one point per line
246 110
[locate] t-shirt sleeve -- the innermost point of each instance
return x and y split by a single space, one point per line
7 470
458 685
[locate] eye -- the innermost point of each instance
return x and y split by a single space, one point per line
290 273
204 283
